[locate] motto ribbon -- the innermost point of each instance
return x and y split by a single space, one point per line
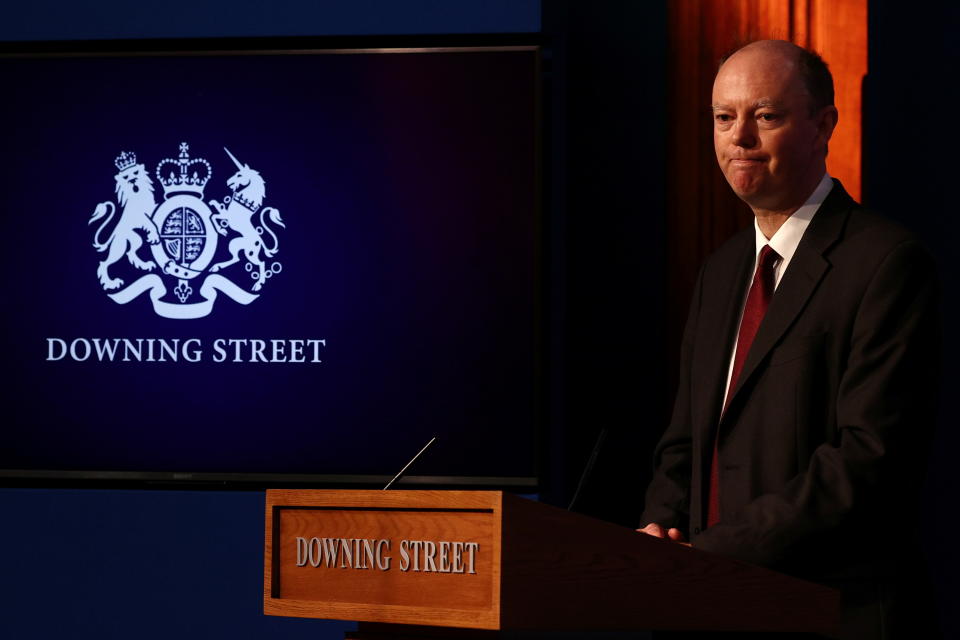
208 291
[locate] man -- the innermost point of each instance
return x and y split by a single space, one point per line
808 362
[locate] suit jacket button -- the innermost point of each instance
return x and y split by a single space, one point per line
696 531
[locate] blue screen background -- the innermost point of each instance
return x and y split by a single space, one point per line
407 184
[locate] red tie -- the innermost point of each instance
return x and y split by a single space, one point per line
758 299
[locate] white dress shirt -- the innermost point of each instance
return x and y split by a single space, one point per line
784 242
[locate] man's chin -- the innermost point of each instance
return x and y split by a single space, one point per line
747 190
759 201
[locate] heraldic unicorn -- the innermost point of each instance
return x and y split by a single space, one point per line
248 192
181 233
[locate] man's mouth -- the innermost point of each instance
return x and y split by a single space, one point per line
746 163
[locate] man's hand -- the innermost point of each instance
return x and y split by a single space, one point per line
655 530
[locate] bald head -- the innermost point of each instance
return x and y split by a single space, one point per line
810 68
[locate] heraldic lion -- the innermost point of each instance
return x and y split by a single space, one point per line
135 195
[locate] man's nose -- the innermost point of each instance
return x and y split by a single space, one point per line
745 133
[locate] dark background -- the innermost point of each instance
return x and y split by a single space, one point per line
189 563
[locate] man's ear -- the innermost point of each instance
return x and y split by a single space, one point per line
826 120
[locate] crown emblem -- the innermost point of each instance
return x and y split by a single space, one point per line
125 160
245 203
183 175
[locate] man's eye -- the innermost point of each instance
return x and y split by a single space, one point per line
768 117
723 117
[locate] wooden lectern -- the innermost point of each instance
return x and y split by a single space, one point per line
491 560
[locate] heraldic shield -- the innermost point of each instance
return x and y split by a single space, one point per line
183 233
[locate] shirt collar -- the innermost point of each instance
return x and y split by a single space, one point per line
787 237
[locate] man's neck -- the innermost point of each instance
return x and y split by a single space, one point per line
770 220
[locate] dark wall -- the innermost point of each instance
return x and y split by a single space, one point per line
107 19
607 200
910 167
138 564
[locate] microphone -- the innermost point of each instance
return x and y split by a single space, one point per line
397 477
589 468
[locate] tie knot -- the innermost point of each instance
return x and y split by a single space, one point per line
768 257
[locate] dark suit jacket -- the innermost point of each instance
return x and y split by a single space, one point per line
822 447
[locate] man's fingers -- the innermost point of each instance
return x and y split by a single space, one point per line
655 530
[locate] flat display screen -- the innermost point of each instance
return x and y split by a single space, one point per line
265 264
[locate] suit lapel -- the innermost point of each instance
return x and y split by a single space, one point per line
806 269
722 306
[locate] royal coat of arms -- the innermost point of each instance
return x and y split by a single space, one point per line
182 233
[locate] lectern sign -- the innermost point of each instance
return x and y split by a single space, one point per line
402 552
369 553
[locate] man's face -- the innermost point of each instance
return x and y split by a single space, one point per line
769 146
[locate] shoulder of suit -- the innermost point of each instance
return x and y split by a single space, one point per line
869 232
870 239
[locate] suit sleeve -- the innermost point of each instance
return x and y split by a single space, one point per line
668 495
884 414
